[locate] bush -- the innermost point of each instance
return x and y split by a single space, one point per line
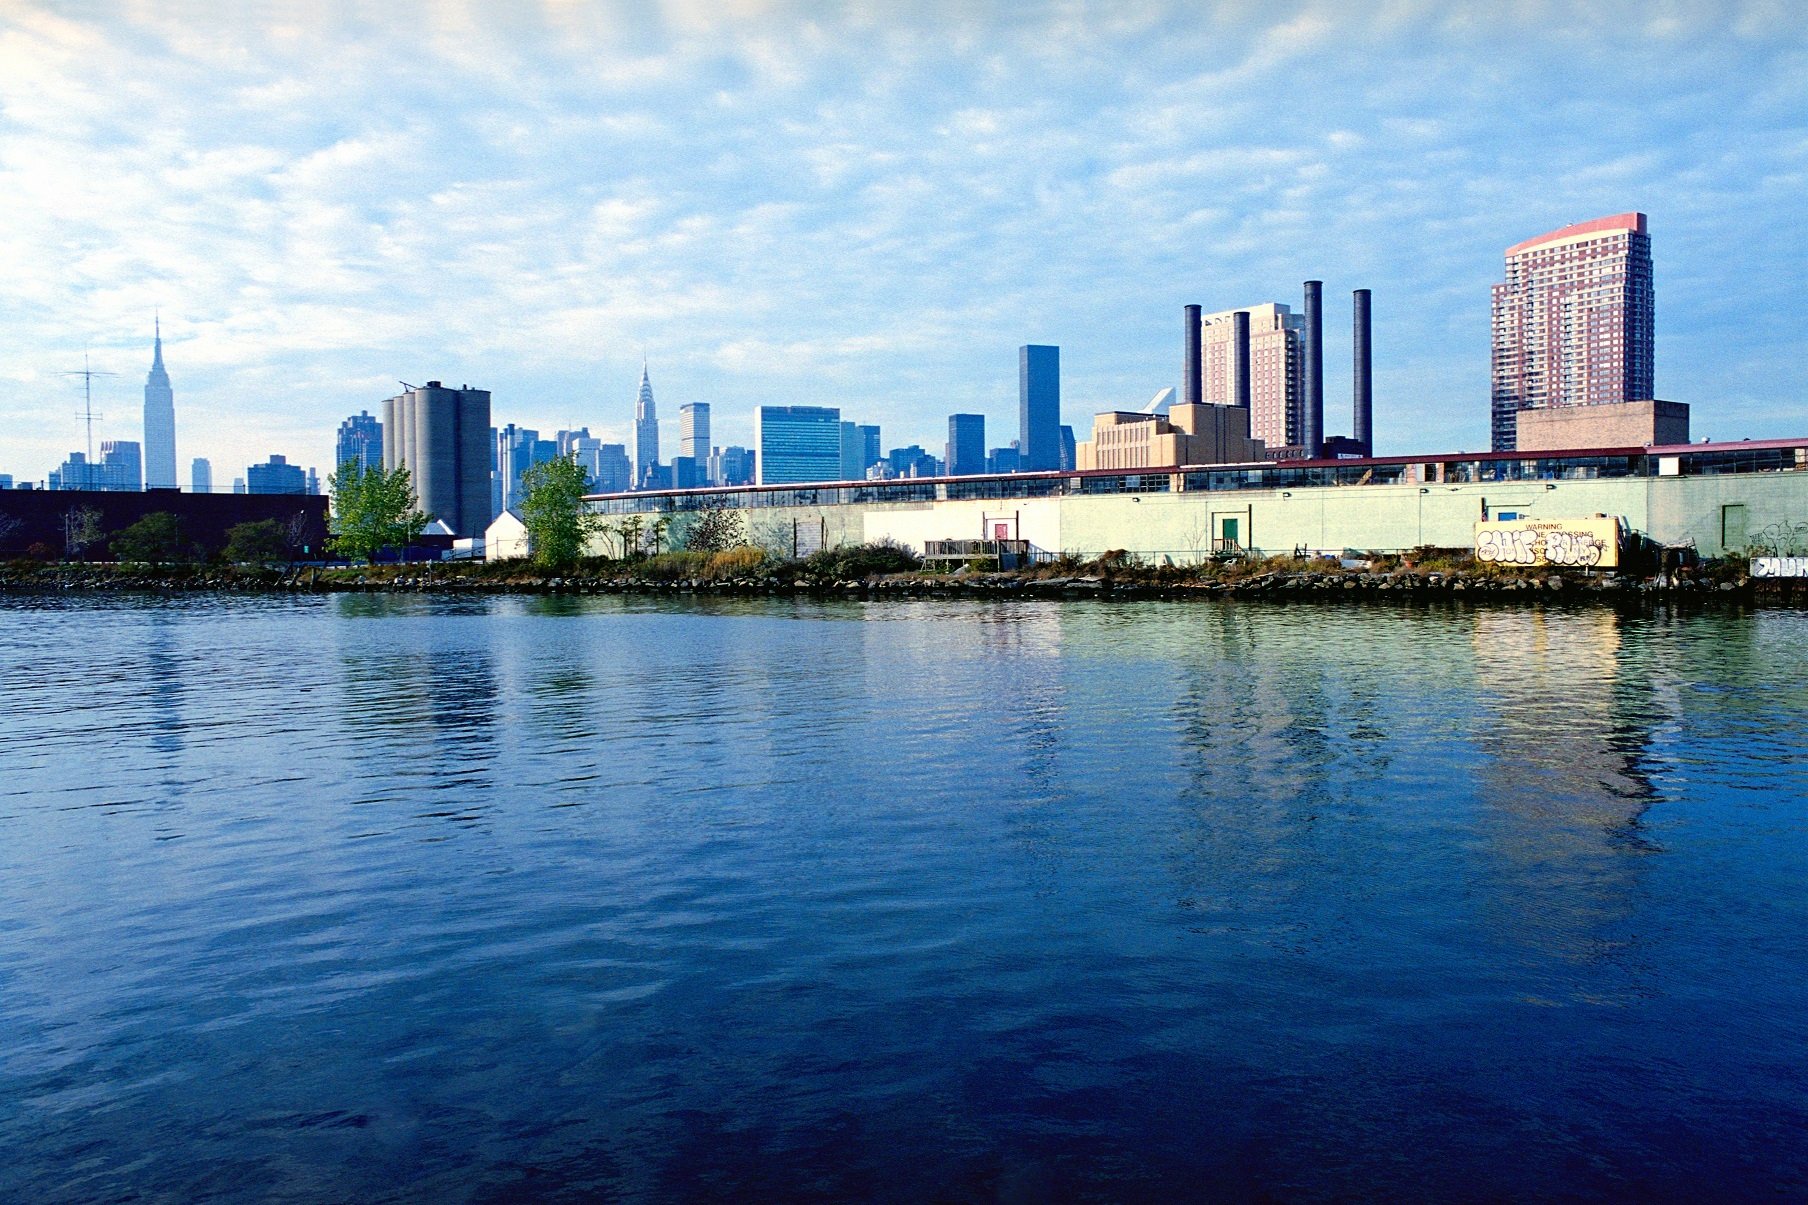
153 540
862 561
674 566
258 542
734 562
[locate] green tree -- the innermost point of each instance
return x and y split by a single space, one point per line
373 510
256 543
558 525
81 527
154 539
715 529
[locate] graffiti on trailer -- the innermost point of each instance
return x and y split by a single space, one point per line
1574 543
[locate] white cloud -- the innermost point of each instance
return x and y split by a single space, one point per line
862 207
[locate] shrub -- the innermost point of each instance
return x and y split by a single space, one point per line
734 562
862 560
674 566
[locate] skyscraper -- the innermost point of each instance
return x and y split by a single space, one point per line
1574 322
731 466
519 449
967 445
646 430
853 453
121 467
1039 406
159 422
360 442
200 476
796 444
693 431
1276 364
275 476
443 436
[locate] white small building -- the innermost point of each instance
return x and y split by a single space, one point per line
506 538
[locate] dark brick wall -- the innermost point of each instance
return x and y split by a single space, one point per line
203 518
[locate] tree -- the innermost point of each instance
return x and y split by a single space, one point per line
256 543
558 524
715 529
373 510
81 527
154 539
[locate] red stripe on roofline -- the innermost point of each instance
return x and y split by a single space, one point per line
1620 221
1168 470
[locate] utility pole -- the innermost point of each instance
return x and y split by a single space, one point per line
87 412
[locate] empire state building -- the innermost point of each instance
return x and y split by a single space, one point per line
159 424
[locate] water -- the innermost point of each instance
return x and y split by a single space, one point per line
549 899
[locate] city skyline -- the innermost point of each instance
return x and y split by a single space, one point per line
870 213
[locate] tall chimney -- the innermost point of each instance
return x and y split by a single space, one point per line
1192 379
1239 330
1312 378
1362 424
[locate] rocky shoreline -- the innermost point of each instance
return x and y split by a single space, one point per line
1332 585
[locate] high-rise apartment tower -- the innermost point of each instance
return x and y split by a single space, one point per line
1573 322
1276 365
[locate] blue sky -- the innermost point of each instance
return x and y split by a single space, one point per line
868 207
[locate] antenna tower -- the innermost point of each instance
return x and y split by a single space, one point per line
87 412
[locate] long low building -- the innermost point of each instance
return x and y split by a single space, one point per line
1717 498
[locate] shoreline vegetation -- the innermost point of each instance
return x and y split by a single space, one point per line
886 571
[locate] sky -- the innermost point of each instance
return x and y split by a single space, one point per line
866 206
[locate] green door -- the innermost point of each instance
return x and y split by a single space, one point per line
1732 527
1228 531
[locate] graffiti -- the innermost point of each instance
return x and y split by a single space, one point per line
1779 566
1539 548
1574 543
1780 539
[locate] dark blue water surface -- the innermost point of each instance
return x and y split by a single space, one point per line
350 898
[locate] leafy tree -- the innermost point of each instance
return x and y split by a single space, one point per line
715 529
558 525
81 527
154 539
257 543
373 510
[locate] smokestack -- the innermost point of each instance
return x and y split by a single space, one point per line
1192 379
1239 329
1312 379
1362 425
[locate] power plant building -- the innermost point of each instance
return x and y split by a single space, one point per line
442 436
1573 322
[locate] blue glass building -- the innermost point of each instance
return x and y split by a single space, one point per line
1039 406
797 444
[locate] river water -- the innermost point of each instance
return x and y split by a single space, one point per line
369 898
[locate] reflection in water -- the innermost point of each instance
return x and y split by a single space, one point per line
589 898
426 706
1564 775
